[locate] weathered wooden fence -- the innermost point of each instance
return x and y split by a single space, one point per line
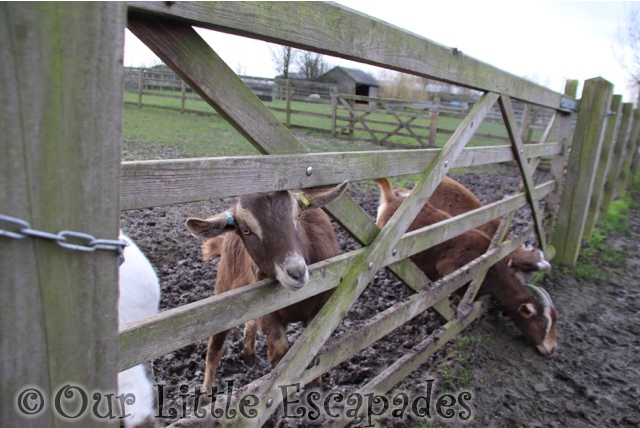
61 163
398 123
379 120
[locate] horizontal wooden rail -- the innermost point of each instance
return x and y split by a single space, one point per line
153 183
337 351
410 361
172 329
386 122
332 29
391 318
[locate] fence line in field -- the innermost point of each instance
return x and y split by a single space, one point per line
414 122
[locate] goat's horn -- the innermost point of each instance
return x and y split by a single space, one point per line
541 295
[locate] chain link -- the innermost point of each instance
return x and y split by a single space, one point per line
20 229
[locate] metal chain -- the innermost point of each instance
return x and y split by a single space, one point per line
82 241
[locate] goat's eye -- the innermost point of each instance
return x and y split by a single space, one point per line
246 231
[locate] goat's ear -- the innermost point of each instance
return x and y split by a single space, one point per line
528 310
212 226
316 197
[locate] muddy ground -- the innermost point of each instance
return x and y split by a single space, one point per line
593 379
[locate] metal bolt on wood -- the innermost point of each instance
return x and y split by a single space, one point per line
270 402
446 164
309 171
370 265
394 252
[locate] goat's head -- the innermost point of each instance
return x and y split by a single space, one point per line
527 261
528 306
269 226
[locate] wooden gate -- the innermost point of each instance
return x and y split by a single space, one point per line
165 27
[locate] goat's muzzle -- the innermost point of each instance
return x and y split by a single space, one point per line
549 342
293 273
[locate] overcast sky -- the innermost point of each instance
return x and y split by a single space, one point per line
547 42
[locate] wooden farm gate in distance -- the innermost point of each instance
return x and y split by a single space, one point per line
59 322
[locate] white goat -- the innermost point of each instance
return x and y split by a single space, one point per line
139 298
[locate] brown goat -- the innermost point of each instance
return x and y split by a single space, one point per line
453 198
534 314
273 235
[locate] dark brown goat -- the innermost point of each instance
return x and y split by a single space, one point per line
453 198
534 314
273 235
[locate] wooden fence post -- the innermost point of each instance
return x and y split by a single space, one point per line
625 172
433 127
564 128
334 114
583 160
624 134
60 167
183 95
528 139
613 123
287 121
140 86
525 122
634 165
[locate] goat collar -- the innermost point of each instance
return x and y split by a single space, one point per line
229 218
304 200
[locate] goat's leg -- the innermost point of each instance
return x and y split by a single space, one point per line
249 344
277 344
215 349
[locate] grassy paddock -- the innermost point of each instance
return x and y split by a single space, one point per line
189 135
300 120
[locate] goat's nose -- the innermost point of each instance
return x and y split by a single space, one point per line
297 272
546 348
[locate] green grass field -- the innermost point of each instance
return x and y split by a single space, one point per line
195 134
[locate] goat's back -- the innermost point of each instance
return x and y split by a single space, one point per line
447 256
454 198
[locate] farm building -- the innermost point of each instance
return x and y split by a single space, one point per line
352 81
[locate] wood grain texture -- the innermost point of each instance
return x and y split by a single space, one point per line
604 164
59 157
411 360
630 152
329 28
617 158
153 183
518 150
583 160
558 162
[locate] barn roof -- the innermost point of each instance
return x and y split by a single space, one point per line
358 76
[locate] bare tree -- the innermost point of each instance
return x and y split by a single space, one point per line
312 65
627 47
283 58
403 86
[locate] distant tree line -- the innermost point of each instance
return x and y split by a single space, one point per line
309 65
